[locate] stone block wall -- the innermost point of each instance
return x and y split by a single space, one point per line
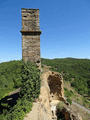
30 20
31 36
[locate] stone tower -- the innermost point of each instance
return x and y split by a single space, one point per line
31 36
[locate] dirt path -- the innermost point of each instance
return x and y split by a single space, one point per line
81 107
34 113
41 109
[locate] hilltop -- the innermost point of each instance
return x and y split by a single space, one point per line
16 74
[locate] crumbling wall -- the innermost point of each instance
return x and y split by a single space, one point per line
51 93
67 114
55 82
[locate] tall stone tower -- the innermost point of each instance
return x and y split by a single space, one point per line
31 36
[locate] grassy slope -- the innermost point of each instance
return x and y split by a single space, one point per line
76 73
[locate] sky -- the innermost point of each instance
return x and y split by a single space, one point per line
65 26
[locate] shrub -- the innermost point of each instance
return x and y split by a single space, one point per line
69 100
68 93
30 90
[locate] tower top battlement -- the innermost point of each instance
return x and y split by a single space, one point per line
30 20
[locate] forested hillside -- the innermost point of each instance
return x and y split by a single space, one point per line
77 71
74 71
10 76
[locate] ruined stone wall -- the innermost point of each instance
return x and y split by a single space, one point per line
31 35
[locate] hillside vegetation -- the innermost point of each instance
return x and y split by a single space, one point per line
10 76
74 71
17 74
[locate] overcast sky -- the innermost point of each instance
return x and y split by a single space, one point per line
65 26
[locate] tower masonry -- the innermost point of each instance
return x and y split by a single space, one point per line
31 36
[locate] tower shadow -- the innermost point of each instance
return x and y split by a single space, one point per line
7 102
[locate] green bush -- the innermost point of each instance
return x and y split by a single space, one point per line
19 110
68 93
69 100
30 90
